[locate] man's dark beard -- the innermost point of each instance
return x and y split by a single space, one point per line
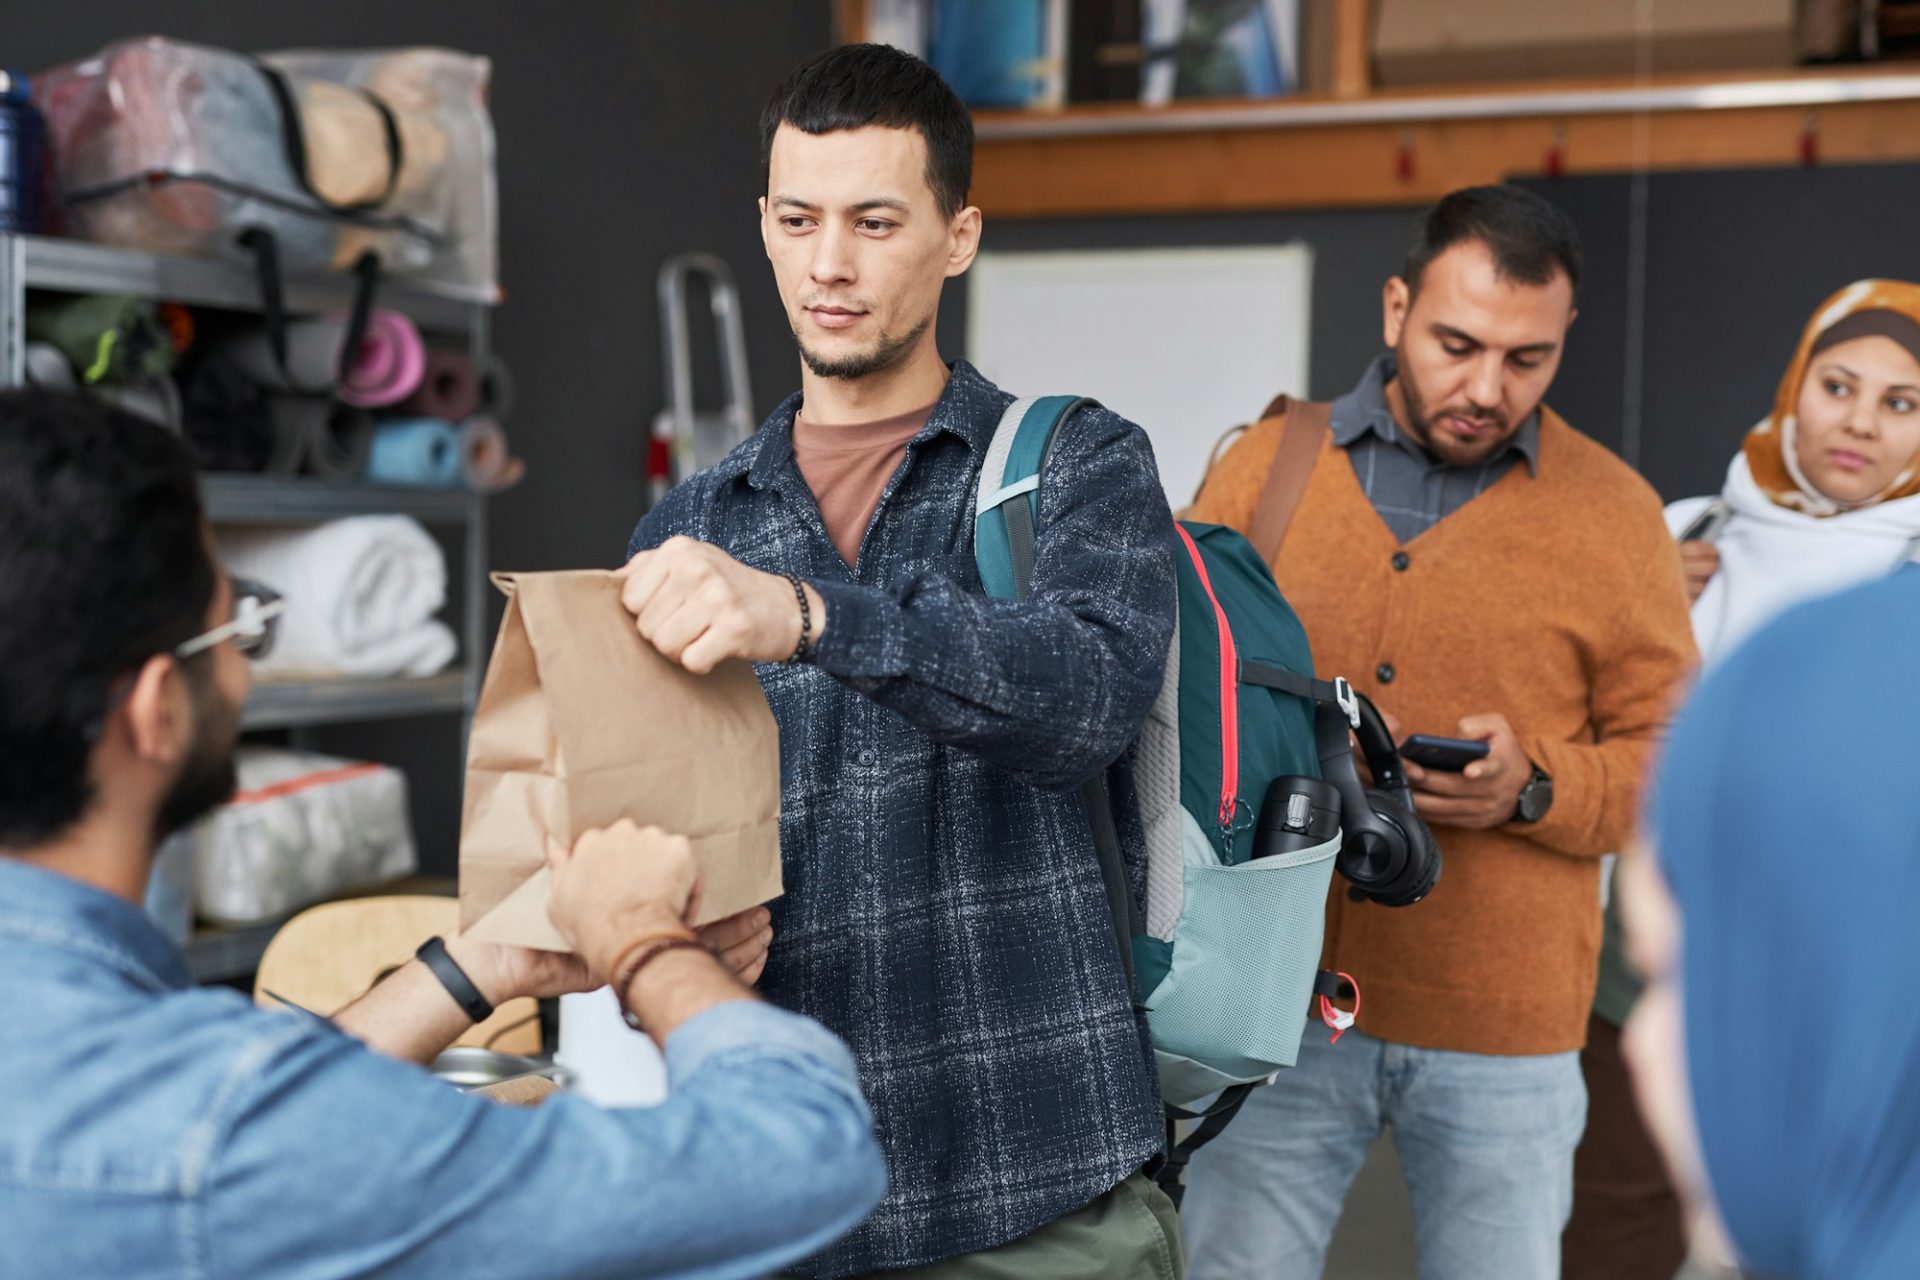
207 777
889 352
1420 426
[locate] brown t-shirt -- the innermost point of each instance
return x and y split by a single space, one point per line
848 469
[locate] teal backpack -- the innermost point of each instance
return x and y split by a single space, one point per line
1226 961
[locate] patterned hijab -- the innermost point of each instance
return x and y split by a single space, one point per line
1886 308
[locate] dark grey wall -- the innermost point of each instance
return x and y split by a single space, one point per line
627 132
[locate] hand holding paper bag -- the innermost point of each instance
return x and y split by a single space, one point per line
581 723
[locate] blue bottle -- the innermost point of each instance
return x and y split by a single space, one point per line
23 140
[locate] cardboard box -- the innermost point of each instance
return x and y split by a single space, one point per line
1422 42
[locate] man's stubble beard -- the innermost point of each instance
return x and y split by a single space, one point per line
888 353
207 776
1419 425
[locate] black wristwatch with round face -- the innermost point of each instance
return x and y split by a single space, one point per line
1535 798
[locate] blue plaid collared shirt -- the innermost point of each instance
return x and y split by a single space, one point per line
944 911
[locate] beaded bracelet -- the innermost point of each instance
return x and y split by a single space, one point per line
806 621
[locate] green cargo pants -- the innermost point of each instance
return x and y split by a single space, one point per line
1130 1233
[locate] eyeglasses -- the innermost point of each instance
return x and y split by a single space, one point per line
256 621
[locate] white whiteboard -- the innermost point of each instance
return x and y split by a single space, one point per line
1186 342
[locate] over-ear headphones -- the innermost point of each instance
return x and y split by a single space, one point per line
1385 850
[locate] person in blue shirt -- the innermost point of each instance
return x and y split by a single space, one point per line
1776 1051
944 908
155 1129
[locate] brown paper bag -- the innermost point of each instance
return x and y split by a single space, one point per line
580 724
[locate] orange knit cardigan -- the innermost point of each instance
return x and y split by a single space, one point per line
1555 599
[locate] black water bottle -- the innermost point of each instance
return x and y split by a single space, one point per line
1297 813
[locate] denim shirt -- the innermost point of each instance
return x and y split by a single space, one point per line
151 1129
944 910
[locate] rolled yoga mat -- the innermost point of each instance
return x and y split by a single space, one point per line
496 388
386 370
426 452
486 464
449 389
312 433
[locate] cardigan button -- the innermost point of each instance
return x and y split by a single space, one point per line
1400 561
1384 673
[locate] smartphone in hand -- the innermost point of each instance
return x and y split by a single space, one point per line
1449 755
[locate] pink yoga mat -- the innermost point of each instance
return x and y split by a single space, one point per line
387 368
389 365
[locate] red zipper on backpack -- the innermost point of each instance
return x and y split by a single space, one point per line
1229 692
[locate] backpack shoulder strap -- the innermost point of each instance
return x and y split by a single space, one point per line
1306 425
1005 530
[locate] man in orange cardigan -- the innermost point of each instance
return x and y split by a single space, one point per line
1481 570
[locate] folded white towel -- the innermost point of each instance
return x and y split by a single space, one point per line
361 596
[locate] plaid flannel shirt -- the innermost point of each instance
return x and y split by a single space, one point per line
944 911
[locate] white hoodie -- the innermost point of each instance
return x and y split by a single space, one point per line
1772 558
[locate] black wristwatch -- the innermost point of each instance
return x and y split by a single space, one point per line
433 954
1535 798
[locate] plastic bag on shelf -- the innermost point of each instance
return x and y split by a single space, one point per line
172 147
302 828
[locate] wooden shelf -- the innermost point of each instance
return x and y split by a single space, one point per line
1407 148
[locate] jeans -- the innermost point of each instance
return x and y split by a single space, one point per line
1486 1142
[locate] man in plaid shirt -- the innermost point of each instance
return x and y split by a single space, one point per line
944 909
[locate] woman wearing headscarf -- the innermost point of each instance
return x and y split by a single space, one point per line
1826 491
1824 494
1777 1048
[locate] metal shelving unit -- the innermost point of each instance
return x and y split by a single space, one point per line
73 266
292 705
77 266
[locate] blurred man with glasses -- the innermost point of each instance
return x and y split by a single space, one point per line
156 1128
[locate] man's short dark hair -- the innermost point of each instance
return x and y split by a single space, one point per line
1530 238
102 565
857 85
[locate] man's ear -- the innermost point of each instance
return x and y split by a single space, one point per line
158 713
965 232
1395 301
765 248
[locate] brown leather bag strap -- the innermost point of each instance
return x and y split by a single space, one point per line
1307 423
